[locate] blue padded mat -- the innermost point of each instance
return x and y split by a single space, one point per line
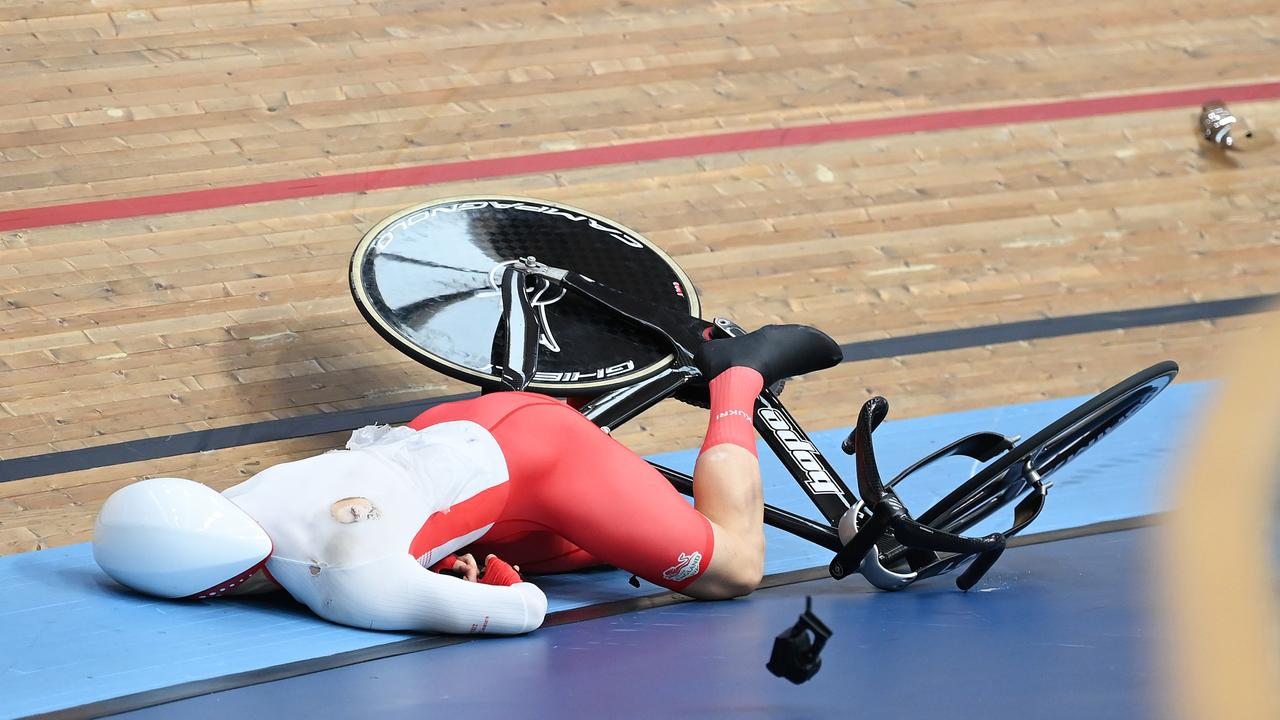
1052 637
72 637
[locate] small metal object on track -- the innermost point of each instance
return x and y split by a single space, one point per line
1222 128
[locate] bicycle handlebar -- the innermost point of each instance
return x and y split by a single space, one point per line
890 519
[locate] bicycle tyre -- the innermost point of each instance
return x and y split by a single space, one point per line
1070 435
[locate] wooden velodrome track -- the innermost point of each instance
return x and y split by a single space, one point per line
126 312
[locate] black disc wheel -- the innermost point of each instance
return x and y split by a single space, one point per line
426 279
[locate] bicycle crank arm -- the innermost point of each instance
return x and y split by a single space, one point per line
515 344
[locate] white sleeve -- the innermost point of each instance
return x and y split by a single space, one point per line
396 593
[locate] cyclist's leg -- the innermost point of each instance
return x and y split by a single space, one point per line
726 477
529 545
584 486
581 484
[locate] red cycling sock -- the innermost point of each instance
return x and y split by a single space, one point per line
733 398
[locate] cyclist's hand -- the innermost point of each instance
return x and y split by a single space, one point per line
463 566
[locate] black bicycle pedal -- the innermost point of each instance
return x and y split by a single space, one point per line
795 652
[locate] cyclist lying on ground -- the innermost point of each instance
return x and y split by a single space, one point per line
355 534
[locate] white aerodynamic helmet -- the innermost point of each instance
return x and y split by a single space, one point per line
177 538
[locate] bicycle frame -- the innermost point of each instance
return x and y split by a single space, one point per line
871 531
820 481
884 542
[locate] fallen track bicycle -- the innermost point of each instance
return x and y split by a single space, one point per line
510 293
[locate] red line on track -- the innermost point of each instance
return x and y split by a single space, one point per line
617 154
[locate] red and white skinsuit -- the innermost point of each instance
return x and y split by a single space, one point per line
516 474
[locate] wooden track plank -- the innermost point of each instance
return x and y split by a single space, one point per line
918 385
142 327
892 25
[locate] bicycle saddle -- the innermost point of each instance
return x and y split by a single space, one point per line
775 351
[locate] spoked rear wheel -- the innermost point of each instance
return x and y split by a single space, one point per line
1047 451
